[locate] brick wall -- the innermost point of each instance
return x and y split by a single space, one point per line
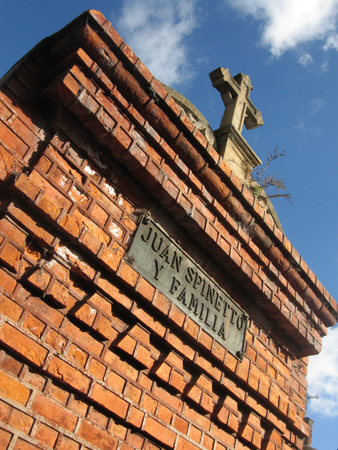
92 356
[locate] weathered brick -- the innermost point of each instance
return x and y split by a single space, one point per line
77 355
159 432
111 257
86 314
68 374
25 346
34 325
136 417
83 338
10 308
59 293
12 141
11 257
46 435
110 401
7 281
5 437
54 412
13 389
103 327
20 421
97 437
24 445
40 279
68 444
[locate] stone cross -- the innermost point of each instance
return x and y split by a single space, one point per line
235 92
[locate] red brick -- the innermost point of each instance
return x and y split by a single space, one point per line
180 345
24 445
49 207
152 322
97 437
98 418
59 293
124 367
71 225
194 393
132 392
180 424
103 327
165 414
90 241
35 380
177 381
40 279
77 355
145 289
10 364
83 338
110 401
159 432
9 308
86 314
97 369
191 328
114 292
34 325
78 406
226 437
27 187
12 141
20 421
112 257
68 374
57 341
39 307
22 344
115 381
183 444
142 354
7 282
163 371
5 437
128 274
12 389
200 419
5 411
11 257
136 417
54 412
68 444
127 344
46 435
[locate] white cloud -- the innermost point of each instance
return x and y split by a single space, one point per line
289 23
325 66
305 59
331 42
157 31
323 377
317 104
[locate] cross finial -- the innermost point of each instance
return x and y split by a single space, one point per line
235 92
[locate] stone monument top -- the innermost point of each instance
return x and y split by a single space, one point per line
235 92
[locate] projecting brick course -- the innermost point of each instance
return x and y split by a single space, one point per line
92 356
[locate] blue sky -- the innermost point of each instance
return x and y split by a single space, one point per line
289 50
